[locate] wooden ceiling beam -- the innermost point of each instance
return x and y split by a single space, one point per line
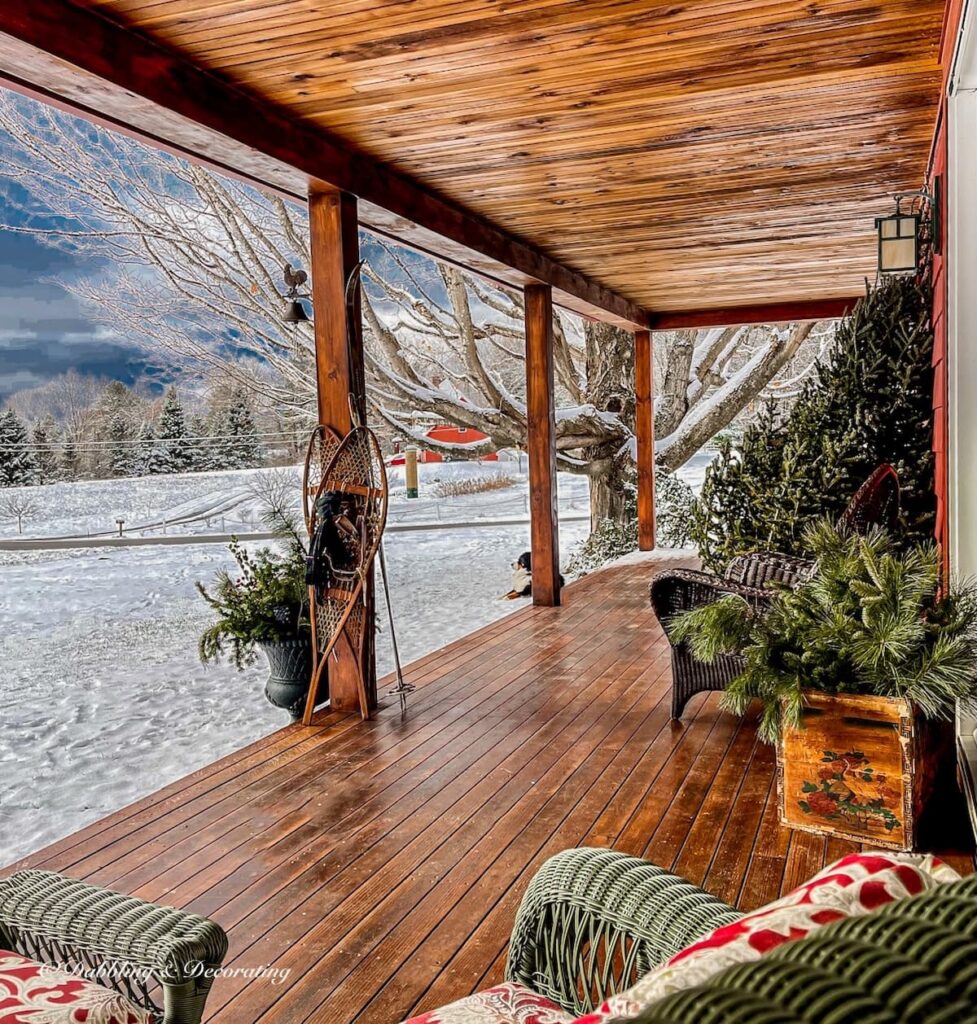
765 313
93 67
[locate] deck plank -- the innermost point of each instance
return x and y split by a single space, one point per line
382 863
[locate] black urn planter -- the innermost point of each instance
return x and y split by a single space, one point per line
290 663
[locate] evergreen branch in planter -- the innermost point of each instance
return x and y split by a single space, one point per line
871 620
723 627
266 603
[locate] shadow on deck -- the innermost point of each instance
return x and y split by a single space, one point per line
381 864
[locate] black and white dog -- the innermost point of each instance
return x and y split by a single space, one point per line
522 577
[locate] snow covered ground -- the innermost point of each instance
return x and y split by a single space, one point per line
227 502
104 699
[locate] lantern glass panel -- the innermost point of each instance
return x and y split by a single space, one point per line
898 254
898 243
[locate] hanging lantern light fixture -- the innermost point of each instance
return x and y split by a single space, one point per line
902 232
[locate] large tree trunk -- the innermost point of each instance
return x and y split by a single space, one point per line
610 388
609 483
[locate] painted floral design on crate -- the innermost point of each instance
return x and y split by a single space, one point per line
849 789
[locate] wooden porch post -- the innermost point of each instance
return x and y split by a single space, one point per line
644 428
541 441
333 227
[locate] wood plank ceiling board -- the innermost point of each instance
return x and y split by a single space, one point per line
687 156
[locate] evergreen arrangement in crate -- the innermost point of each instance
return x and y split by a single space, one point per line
851 668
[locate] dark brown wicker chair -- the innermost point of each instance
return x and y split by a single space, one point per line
875 503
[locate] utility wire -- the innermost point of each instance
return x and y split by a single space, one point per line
94 445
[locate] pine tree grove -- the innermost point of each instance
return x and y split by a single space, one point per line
117 431
870 404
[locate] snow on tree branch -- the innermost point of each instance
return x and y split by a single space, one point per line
192 270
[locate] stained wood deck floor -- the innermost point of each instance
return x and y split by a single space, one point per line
382 863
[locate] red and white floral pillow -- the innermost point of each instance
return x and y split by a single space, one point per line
33 993
854 885
510 1003
857 884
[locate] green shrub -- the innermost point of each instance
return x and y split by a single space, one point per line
674 504
870 403
268 602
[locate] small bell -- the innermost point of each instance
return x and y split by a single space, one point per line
295 313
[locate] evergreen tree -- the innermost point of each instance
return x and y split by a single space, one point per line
119 452
44 443
201 447
870 404
18 466
70 459
240 444
172 450
144 460
115 415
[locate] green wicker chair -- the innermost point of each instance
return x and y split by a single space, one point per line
57 920
592 921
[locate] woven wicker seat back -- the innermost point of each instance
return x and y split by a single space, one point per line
875 503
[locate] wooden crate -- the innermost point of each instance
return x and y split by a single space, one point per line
861 768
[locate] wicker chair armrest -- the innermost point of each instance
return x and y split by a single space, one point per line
760 568
680 590
594 921
42 911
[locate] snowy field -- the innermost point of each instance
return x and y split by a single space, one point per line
104 698
229 502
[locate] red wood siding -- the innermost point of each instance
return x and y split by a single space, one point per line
948 41
940 422
938 170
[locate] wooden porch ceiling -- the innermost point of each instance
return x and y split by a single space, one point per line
681 157
382 862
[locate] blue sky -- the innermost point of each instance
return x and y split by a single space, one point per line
43 329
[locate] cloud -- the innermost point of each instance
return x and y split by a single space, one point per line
16 336
38 360
44 331
19 380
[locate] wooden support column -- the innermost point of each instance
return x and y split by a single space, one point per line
541 442
644 428
334 228
334 240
